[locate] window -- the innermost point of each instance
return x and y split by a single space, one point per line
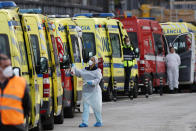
76 48
181 44
66 51
116 49
133 38
89 43
4 45
170 39
165 44
36 50
23 54
158 44
54 49
48 46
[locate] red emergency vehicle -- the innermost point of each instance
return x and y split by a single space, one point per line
147 37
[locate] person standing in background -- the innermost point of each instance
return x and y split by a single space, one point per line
173 62
129 56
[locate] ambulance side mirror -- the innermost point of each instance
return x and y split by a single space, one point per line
43 65
17 71
66 62
136 50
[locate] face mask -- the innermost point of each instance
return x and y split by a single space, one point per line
128 43
90 62
8 72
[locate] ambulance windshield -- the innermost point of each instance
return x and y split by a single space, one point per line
89 42
4 45
182 43
133 38
170 39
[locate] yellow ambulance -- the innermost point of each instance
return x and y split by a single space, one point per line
182 36
103 37
47 67
13 45
63 31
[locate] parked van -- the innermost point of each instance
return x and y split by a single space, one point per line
181 35
13 45
103 37
65 35
47 67
146 35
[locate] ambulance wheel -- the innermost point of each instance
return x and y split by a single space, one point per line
150 87
50 122
60 118
161 90
192 88
135 90
69 111
109 94
131 92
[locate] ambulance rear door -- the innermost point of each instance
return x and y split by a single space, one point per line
34 88
147 48
184 45
159 52
117 67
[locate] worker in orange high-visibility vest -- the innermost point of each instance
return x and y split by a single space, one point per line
15 102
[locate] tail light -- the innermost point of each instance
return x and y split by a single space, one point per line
141 66
100 64
46 85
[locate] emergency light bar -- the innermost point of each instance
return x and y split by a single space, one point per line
59 16
147 18
102 15
7 4
35 11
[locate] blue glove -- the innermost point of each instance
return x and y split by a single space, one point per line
89 83
72 65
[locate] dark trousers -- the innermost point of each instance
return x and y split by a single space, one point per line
127 78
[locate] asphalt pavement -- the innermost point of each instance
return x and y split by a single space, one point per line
170 112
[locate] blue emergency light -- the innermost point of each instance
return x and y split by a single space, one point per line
35 11
102 15
7 4
148 18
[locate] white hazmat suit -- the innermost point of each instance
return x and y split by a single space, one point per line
91 92
173 62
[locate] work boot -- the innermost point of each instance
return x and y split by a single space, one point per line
176 90
172 92
83 125
98 124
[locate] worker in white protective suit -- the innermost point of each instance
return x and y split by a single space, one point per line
173 62
91 92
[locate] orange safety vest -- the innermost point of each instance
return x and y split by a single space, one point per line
11 108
